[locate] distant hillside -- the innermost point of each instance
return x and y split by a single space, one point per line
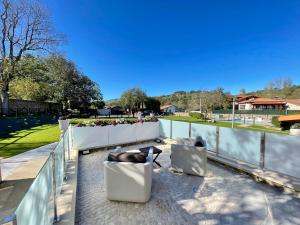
218 99
111 101
292 92
192 100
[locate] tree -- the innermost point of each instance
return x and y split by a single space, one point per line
152 104
25 27
287 88
27 89
69 86
133 100
242 91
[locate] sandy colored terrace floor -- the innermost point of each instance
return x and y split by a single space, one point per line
222 197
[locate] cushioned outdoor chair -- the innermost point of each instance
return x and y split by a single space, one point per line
188 158
128 181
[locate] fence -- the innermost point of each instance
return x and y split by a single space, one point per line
257 112
38 206
12 124
265 150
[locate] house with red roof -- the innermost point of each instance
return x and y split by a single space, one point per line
169 108
293 104
257 103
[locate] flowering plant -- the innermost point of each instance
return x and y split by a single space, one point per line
103 123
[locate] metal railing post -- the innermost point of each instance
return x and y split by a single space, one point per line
262 150
190 129
54 187
217 140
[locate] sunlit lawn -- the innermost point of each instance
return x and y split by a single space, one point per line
226 124
24 140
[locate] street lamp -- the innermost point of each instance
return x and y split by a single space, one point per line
233 112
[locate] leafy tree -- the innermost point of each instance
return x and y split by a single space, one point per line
133 100
27 89
25 27
70 87
152 104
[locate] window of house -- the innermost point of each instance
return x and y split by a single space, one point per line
242 107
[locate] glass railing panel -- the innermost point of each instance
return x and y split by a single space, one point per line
240 144
37 206
165 128
66 143
207 133
180 129
59 165
282 154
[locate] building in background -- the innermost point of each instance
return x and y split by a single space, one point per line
293 104
256 103
169 109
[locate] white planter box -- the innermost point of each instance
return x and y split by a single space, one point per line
93 137
295 132
147 131
89 137
122 134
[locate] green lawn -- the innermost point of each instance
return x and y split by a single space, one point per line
24 140
226 124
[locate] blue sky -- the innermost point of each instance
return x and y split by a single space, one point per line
165 46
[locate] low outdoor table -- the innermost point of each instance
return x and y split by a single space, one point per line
156 151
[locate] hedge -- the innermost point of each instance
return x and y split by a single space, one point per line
257 112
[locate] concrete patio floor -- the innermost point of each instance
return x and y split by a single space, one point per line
222 197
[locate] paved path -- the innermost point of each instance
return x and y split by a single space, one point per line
8 165
222 197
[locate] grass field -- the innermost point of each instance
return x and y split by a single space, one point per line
194 120
227 124
24 140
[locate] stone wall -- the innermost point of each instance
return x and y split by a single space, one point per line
26 107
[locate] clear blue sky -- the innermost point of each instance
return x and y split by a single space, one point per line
165 46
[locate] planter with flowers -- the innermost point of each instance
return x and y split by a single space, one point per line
101 133
295 129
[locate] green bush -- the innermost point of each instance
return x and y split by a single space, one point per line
275 121
196 115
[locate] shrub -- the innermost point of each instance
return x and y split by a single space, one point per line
196 115
295 126
275 121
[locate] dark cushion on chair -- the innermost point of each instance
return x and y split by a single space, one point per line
127 157
199 142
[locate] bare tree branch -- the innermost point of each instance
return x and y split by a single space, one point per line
25 27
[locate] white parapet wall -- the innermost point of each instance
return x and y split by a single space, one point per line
96 137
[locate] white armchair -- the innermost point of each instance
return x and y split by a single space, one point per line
189 159
127 181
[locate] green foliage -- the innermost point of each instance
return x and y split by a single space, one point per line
133 99
295 126
56 79
257 112
28 139
197 115
27 89
275 121
208 100
152 104
226 124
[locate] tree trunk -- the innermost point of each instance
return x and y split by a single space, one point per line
4 101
